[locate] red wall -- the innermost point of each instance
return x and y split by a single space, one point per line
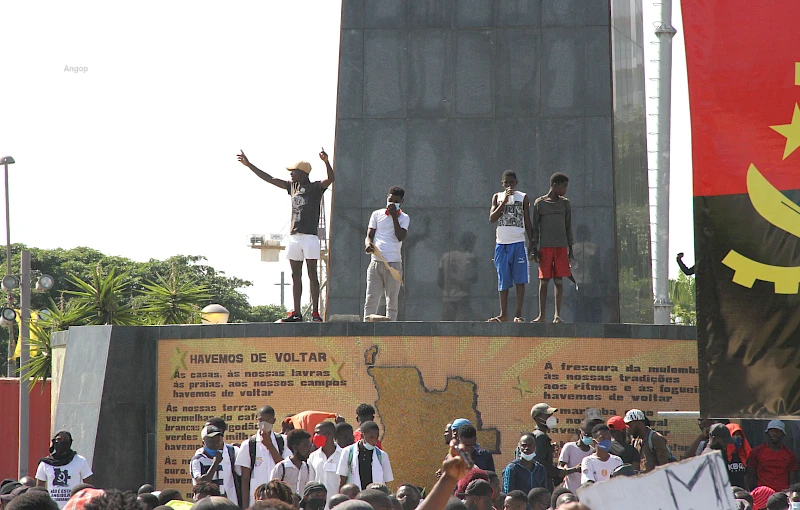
39 430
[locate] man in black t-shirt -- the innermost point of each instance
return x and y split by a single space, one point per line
303 241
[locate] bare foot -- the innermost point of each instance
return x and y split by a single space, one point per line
538 319
557 320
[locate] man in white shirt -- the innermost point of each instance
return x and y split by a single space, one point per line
598 466
295 471
364 463
325 459
387 229
215 463
63 469
258 455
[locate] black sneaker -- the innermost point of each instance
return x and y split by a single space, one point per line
293 317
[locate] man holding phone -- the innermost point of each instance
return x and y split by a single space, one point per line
258 456
386 231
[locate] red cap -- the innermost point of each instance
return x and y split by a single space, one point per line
616 423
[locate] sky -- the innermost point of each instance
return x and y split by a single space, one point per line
135 154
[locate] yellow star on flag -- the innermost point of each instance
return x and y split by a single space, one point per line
522 386
334 369
791 132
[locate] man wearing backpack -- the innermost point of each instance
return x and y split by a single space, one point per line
652 446
259 455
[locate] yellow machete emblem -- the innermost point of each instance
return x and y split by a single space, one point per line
774 207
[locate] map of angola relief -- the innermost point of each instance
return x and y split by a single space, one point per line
410 413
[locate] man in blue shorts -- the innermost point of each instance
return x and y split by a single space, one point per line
511 211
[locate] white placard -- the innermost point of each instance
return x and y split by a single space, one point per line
699 483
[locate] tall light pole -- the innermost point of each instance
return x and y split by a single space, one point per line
665 32
11 372
24 356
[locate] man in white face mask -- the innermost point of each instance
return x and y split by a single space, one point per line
542 415
525 473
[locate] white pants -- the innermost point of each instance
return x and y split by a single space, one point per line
380 283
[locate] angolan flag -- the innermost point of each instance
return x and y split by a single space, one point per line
743 60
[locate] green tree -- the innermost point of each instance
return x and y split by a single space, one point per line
682 293
79 289
103 298
176 299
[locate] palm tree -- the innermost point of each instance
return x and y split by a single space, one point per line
103 298
174 300
682 294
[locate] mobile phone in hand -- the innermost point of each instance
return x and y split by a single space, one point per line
465 457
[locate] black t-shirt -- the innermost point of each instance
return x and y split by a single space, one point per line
306 199
364 466
736 470
544 456
626 452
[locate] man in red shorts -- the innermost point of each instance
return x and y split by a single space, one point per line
552 242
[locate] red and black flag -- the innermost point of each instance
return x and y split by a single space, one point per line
743 60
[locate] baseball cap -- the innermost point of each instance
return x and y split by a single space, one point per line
616 423
304 166
210 431
479 488
720 432
634 415
593 414
459 422
542 408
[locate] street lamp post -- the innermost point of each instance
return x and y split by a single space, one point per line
8 160
24 356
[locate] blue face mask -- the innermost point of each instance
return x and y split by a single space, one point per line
368 446
587 440
795 505
209 451
737 442
604 445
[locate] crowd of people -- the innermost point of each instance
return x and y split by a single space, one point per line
318 461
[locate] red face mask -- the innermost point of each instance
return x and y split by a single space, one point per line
319 441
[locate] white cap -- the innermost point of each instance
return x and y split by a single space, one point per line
776 424
634 415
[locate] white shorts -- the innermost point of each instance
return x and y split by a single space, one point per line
302 247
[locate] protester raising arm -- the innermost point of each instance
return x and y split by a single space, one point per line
263 175
453 469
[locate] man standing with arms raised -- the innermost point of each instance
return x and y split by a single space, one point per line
303 241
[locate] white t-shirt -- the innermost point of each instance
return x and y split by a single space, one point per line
61 479
511 224
572 456
201 463
325 468
594 469
348 465
295 477
385 238
262 469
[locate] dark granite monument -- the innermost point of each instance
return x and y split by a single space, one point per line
441 96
